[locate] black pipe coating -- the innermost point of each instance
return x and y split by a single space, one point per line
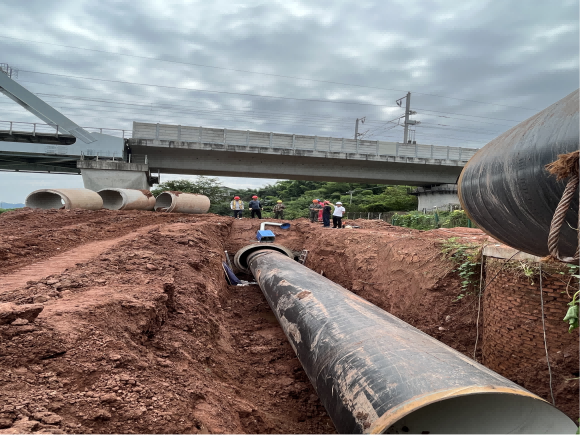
375 373
506 189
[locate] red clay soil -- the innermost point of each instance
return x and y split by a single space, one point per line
142 334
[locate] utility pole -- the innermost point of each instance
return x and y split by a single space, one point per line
408 112
351 192
356 133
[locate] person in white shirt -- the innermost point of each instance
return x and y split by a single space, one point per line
337 215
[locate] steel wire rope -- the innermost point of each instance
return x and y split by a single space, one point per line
262 73
558 221
545 341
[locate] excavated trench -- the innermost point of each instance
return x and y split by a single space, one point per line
139 331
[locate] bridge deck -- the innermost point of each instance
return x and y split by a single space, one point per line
209 151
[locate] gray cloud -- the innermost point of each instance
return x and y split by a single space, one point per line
515 53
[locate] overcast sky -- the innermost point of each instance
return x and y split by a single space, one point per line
474 68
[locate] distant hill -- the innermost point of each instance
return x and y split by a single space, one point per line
10 205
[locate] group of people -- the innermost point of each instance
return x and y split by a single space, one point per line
256 207
321 210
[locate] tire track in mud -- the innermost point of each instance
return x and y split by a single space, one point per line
58 263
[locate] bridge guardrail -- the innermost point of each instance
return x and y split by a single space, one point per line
248 138
42 128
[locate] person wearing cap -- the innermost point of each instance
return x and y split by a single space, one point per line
313 210
255 207
337 215
326 210
279 210
237 205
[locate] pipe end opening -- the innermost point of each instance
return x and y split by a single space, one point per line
242 256
163 202
485 413
112 199
45 200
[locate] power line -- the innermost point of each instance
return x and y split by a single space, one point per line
462 114
212 116
467 120
263 96
259 73
206 90
267 114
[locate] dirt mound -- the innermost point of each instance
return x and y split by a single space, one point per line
146 337
140 332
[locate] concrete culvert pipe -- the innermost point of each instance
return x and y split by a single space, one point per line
127 199
375 373
179 202
64 198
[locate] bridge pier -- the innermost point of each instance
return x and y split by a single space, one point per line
436 196
105 174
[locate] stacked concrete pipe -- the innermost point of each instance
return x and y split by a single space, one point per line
127 199
64 199
375 373
179 202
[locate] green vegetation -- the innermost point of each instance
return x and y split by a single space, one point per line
467 262
572 314
298 195
439 219
2 210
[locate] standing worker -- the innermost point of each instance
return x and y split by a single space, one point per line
320 209
326 210
337 215
237 205
255 207
279 210
313 210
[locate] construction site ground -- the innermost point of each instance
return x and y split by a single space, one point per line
140 333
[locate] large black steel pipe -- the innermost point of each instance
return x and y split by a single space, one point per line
375 373
506 189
